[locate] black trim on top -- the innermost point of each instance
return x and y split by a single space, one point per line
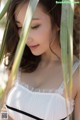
63 118
25 113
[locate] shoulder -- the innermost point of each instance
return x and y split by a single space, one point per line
76 81
76 77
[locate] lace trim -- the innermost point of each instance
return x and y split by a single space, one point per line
37 89
18 81
45 91
59 90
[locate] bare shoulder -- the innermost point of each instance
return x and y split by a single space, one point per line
76 80
76 83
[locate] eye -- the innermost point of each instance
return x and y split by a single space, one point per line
19 28
35 27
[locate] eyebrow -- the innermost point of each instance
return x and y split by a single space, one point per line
32 19
17 21
35 19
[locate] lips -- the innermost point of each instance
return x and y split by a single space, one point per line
33 46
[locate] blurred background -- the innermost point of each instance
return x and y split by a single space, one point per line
2 21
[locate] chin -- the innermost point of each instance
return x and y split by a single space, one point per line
36 53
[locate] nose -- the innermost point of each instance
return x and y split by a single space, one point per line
29 39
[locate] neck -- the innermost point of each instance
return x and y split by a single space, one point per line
54 56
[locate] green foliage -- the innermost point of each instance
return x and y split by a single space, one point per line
5 9
3 22
65 37
20 47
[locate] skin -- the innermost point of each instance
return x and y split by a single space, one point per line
41 32
45 76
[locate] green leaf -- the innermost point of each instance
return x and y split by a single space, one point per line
3 45
66 37
5 9
20 48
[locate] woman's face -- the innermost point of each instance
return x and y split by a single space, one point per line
41 32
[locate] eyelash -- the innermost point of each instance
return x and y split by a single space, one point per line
35 27
19 27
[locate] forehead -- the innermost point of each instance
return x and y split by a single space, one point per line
21 11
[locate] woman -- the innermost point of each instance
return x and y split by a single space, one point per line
39 92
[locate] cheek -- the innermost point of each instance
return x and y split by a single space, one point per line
43 35
43 38
46 38
44 41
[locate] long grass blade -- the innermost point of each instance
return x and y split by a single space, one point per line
63 39
3 45
5 9
20 48
66 37
70 17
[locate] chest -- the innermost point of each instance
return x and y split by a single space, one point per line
41 105
47 78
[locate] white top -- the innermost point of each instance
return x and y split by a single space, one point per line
25 104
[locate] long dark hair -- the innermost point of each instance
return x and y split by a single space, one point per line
29 62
